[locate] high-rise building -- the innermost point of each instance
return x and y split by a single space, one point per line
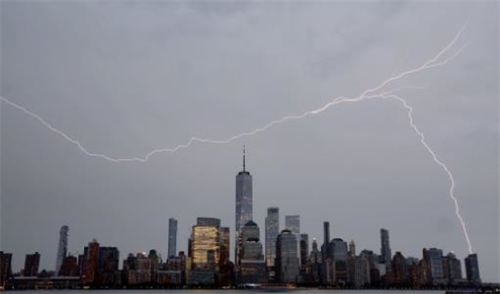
172 237
385 250
272 232
90 258
338 249
252 267
315 261
304 249
107 266
412 267
205 244
287 261
224 262
359 271
70 267
5 268
292 223
452 268
155 264
243 205
472 269
373 261
400 270
62 249
325 248
137 269
31 264
435 264
327 267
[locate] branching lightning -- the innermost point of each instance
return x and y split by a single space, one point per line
372 93
438 162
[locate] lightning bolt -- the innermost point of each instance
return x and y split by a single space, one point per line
372 93
439 162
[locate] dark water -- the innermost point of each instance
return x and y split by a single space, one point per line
232 291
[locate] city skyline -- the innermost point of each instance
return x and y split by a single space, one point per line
126 78
208 256
291 225
207 246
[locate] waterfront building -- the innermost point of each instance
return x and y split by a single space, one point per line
31 264
107 266
5 268
325 248
243 205
304 250
435 263
224 262
400 270
287 261
90 258
452 269
272 231
359 271
62 247
252 267
69 267
292 223
385 249
338 249
172 237
472 269
205 244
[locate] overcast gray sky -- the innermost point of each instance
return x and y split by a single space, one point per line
127 78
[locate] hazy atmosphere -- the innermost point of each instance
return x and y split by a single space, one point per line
125 78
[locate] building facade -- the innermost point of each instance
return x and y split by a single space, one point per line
272 232
172 237
62 247
243 205
31 264
385 249
89 263
287 261
205 244
252 267
472 269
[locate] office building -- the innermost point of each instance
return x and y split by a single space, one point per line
385 250
243 205
287 261
272 231
31 264
62 248
472 269
172 237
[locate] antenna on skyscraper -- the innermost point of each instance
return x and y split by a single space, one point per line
243 157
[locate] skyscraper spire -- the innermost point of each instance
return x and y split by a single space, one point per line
243 157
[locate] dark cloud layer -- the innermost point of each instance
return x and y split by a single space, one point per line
126 78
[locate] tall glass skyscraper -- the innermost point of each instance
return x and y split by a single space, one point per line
243 205
292 223
172 237
272 232
62 249
385 250
205 244
472 268
287 261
